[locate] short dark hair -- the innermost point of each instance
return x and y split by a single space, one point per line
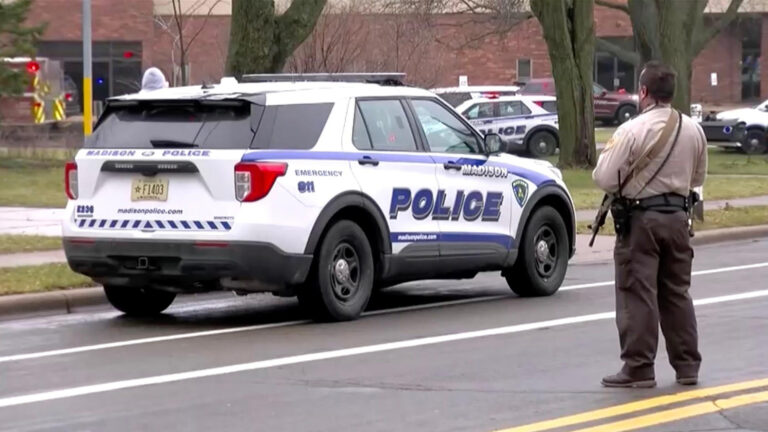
659 79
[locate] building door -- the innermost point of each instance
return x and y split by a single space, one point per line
751 30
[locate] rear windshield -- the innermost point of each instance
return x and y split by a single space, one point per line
210 125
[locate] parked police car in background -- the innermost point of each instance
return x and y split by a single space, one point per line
526 123
323 190
455 96
745 129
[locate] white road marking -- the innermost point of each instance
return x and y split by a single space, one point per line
696 273
166 338
326 355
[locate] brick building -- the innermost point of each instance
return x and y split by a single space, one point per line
130 36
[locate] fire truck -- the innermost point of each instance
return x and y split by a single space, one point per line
46 95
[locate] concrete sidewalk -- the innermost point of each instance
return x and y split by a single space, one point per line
32 258
589 215
37 221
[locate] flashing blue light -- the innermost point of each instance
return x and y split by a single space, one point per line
100 81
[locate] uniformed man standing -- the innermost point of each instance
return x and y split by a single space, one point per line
652 162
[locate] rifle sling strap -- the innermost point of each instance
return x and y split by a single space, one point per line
653 151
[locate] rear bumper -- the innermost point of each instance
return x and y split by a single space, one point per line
187 266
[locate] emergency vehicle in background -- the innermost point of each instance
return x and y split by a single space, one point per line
46 96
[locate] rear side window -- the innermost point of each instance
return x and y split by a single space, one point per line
513 108
292 127
386 125
550 106
211 125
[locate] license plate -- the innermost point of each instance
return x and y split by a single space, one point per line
149 190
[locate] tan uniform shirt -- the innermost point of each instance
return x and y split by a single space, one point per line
685 169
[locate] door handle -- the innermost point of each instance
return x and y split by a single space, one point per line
452 166
367 160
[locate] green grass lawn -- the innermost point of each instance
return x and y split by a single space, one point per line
713 219
15 243
730 176
48 277
602 135
32 183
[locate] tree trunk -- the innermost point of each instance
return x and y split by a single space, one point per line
569 33
261 41
251 37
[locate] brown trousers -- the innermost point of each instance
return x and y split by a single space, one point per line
653 274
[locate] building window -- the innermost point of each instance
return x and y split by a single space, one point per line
523 69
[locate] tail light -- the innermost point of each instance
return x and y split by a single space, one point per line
254 180
70 180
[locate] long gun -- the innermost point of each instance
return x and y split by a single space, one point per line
602 213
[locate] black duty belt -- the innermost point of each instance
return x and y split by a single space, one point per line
663 202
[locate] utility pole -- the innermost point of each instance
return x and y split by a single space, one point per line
87 70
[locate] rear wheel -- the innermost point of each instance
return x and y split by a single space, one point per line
625 113
754 142
543 256
542 144
138 301
342 277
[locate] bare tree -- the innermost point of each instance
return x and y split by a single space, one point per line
336 44
672 31
182 32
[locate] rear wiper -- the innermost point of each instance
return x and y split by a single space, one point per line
171 144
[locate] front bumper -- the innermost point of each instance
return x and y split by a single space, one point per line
185 265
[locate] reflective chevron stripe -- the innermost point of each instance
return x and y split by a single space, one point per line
155 225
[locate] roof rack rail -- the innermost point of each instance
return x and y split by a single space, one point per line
392 79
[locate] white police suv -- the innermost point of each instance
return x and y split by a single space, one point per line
305 186
527 123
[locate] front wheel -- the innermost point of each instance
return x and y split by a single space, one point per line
542 144
342 279
625 113
138 301
543 256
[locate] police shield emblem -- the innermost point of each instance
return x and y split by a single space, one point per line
520 190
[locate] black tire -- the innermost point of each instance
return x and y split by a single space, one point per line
754 142
542 144
138 301
341 281
625 113
542 256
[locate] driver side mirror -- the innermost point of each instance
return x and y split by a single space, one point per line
494 144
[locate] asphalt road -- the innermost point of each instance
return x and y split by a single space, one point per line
432 356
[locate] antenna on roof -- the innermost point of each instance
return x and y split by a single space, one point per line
388 79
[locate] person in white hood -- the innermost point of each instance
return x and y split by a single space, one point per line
153 80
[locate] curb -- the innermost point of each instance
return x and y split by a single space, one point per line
50 303
729 234
69 301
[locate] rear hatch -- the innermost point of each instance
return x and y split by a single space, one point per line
166 166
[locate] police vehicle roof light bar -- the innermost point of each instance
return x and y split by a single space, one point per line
388 78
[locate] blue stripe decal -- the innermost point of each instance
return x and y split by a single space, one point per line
530 175
522 117
198 225
185 225
419 237
226 226
212 225
172 224
136 224
82 223
125 224
159 224
382 156
147 224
